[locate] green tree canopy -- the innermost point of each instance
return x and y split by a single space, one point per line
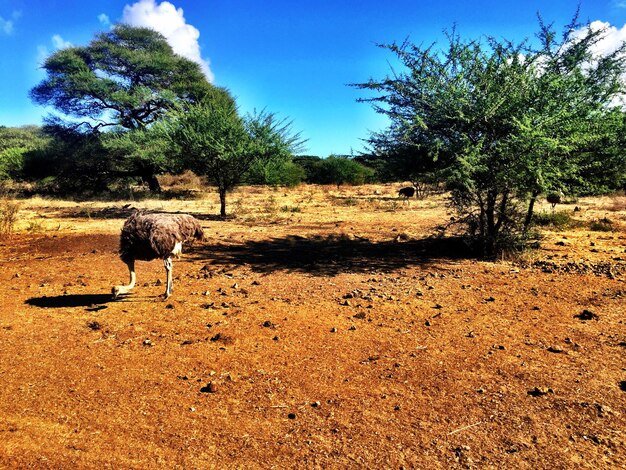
125 77
501 122
15 144
214 141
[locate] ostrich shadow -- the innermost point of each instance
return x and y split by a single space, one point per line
332 255
92 302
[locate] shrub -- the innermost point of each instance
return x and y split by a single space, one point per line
8 216
558 219
601 225
339 170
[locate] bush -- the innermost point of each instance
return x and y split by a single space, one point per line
8 216
339 170
601 225
276 173
558 219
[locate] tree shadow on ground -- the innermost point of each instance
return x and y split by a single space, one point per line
123 213
94 301
329 256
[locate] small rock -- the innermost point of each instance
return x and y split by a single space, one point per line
316 404
209 388
333 330
427 323
360 315
291 416
147 342
586 315
352 328
490 299
555 349
540 391
268 324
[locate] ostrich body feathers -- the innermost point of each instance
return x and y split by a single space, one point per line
151 236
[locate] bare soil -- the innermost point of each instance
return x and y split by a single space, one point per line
318 327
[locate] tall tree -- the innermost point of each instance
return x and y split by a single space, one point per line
125 79
214 141
499 121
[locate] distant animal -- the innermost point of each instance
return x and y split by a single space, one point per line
554 198
148 236
406 192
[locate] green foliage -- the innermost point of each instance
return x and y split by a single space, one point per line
15 145
602 225
339 170
212 140
70 163
275 145
126 77
558 219
501 123
125 80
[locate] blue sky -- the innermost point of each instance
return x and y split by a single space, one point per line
294 58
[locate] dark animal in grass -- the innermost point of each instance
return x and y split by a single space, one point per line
554 198
407 192
148 236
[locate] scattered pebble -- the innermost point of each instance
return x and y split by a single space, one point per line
586 315
540 391
209 388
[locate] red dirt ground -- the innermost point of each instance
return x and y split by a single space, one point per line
335 335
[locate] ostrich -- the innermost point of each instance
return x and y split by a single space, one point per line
150 236
554 198
407 192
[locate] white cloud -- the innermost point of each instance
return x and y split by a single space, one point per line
610 41
59 43
8 26
104 20
168 20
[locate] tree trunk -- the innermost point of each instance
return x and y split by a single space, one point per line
152 181
529 213
491 234
222 202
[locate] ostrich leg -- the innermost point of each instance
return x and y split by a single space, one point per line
118 290
169 285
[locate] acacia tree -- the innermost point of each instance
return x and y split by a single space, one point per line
214 141
499 121
125 79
